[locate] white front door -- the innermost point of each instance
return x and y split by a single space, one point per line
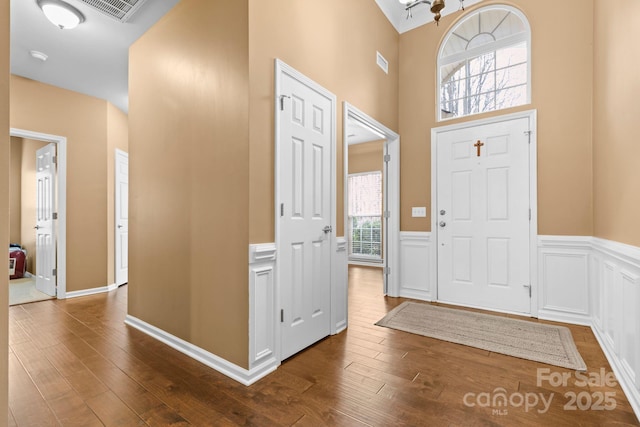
483 216
122 217
45 226
305 115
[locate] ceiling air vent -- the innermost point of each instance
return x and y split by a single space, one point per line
120 10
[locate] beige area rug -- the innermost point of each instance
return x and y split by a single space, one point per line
519 338
22 291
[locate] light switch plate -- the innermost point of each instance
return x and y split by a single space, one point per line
419 212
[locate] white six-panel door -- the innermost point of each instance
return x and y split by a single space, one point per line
122 218
45 225
304 157
483 216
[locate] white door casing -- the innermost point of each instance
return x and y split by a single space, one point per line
305 192
45 220
482 214
391 193
121 217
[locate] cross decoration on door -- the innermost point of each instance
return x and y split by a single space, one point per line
478 145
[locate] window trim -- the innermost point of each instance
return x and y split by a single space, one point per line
474 52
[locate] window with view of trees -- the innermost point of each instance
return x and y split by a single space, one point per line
484 63
365 216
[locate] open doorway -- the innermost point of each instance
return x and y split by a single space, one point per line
372 195
37 217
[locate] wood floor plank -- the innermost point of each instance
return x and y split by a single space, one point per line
75 363
112 411
25 401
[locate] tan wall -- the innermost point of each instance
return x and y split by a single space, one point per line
29 196
117 137
15 178
189 176
562 60
366 157
4 205
616 112
82 119
333 42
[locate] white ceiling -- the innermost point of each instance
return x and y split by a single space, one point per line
93 58
397 15
357 133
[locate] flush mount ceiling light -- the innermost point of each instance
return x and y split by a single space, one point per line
436 7
61 14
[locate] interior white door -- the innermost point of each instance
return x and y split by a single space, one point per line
122 218
304 155
484 217
45 216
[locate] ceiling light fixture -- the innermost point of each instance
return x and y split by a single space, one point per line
436 7
61 14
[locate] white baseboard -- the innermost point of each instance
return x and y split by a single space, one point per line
233 371
626 383
92 291
379 264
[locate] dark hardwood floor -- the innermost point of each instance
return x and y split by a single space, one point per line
75 363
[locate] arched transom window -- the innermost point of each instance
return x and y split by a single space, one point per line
484 63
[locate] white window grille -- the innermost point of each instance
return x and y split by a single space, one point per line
484 63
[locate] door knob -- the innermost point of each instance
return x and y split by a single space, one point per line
37 227
442 224
119 225
442 212
327 229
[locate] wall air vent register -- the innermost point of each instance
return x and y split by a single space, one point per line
120 10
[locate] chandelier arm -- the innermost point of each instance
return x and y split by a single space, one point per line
413 4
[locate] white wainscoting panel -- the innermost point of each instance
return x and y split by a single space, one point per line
415 265
563 279
617 325
340 287
262 305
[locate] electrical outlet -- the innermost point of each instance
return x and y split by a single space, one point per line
419 212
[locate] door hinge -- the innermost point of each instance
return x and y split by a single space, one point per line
54 272
528 286
529 214
528 133
55 215
54 160
281 315
387 270
387 158
281 209
387 214
282 97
